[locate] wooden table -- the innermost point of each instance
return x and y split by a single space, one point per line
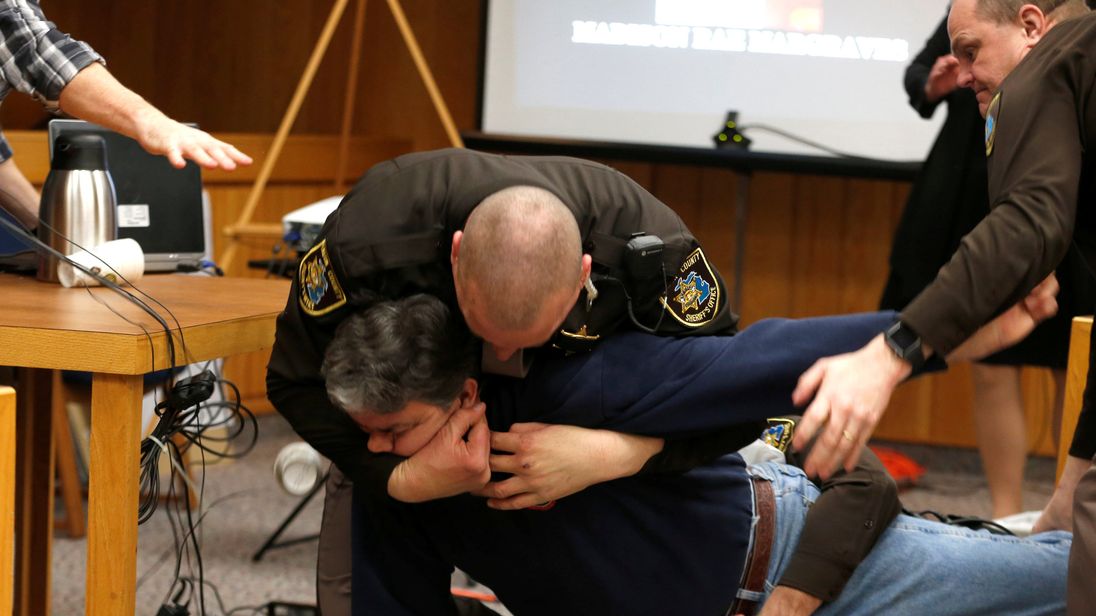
44 326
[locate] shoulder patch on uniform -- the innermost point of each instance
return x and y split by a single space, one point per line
779 434
320 291
992 112
694 296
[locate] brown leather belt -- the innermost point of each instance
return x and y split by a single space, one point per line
757 563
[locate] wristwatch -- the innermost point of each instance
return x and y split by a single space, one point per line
906 344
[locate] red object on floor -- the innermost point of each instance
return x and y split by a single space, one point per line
472 594
905 471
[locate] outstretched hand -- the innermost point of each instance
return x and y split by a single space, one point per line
160 134
549 462
453 462
850 393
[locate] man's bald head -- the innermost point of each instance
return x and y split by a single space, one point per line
518 262
1007 11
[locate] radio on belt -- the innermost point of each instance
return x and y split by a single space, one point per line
643 255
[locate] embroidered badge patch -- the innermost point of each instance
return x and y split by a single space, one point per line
991 121
779 434
694 300
320 290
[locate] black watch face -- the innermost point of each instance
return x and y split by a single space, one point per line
904 337
905 343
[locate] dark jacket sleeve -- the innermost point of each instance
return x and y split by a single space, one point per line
681 455
684 387
842 526
917 73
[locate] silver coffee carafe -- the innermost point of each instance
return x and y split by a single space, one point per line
78 206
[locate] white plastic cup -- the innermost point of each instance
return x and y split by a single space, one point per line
298 468
123 257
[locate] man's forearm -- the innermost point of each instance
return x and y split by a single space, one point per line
95 95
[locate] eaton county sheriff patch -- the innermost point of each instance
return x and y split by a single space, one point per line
694 299
779 434
992 112
320 290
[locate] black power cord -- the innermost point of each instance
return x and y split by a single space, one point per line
966 521
804 141
180 420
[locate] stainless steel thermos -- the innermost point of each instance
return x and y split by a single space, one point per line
78 200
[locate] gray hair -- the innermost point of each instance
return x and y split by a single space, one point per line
398 351
1006 11
521 247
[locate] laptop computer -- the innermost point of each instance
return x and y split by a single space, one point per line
159 206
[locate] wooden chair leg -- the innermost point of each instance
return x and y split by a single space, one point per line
71 490
7 498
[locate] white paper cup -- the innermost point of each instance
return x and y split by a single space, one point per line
123 257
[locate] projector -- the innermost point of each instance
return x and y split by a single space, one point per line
301 227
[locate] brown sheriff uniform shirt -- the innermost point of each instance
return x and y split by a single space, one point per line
1041 185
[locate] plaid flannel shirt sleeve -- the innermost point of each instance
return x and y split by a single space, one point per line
35 57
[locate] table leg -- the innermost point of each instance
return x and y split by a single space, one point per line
113 494
33 494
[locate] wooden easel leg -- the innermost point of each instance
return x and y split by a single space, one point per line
290 117
351 94
424 72
302 89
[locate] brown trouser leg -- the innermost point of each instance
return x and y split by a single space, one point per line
333 557
1082 557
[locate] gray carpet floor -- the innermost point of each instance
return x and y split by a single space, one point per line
245 505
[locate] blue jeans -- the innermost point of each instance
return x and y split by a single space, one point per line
924 567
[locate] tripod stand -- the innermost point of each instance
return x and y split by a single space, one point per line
272 542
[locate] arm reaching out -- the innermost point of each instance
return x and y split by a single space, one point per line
850 392
95 95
